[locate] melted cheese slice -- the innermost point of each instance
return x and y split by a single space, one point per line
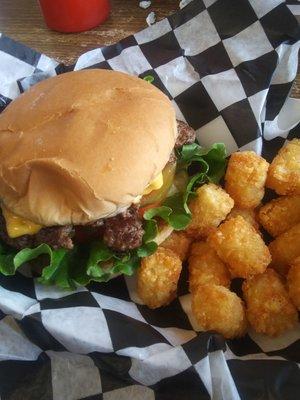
17 226
155 184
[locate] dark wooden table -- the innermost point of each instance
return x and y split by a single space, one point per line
22 21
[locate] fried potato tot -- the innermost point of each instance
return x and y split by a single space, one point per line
247 213
293 282
280 214
206 267
269 309
245 178
178 242
284 249
241 247
157 278
217 308
209 209
284 171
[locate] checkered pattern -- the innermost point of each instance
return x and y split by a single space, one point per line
227 66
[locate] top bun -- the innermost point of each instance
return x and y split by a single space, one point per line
82 146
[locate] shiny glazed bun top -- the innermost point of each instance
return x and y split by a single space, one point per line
83 146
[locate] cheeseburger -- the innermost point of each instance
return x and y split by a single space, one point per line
83 156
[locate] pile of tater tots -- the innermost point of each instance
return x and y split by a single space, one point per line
225 241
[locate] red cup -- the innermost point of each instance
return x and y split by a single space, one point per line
74 15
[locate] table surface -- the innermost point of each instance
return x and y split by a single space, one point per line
22 21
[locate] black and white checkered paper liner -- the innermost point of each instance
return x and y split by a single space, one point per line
228 67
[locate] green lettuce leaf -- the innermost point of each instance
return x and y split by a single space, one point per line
103 263
146 249
150 228
71 268
7 266
56 272
210 164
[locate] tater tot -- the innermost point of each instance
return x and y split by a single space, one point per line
178 242
293 282
206 267
217 308
269 309
280 214
209 209
284 249
157 278
247 213
241 247
245 178
284 171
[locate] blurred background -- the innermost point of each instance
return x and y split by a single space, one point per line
22 20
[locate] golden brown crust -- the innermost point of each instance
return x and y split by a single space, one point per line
217 308
245 178
269 309
284 171
205 267
157 278
179 243
248 214
293 282
209 208
280 214
284 249
241 247
82 146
